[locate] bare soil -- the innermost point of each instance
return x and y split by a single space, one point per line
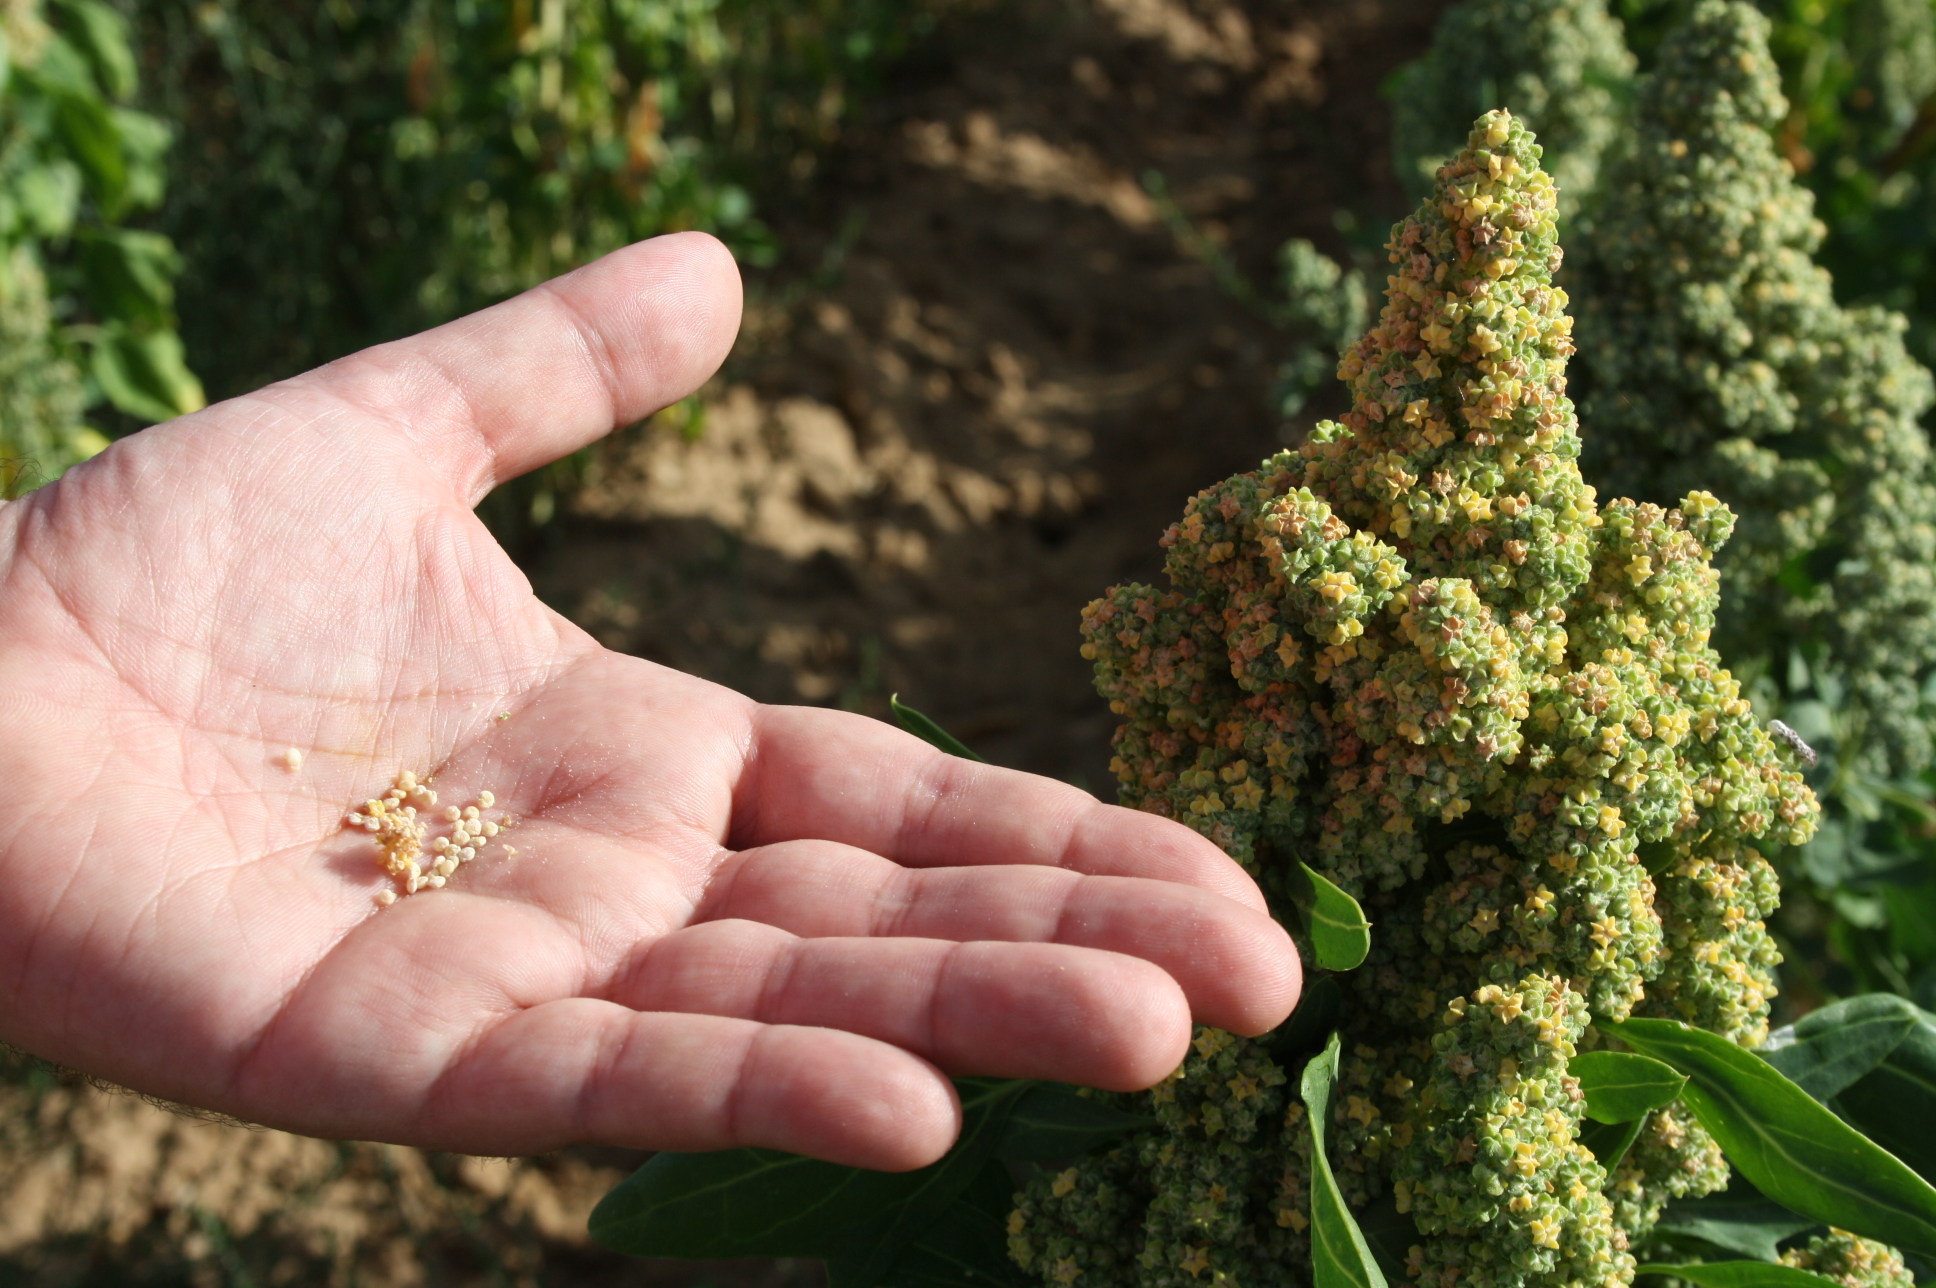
977 390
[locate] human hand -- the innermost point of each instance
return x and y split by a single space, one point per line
726 924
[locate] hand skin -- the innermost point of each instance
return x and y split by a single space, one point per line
727 924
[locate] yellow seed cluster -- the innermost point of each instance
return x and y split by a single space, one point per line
1419 654
401 834
1851 1261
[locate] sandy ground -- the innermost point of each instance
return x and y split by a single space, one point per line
981 384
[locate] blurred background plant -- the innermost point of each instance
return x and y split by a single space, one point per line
352 172
87 303
400 162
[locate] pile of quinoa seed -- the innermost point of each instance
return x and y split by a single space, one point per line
401 834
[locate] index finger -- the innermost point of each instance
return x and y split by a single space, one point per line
814 774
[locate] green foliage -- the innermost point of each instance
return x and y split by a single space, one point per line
1340 935
1790 1147
939 1225
924 728
86 305
1340 1258
41 392
1329 304
1859 75
1621 1087
1745 1225
1828 1050
1559 65
371 169
1738 1274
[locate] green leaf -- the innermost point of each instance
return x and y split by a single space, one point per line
48 196
1735 1220
1389 1234
760 1203
1740 1274
1053 1125
130 275
966 1246
84 119
144 374
144 146
1340 935
102 34
1827 1050
1310 1024
1340 1257
1609 1142
739 1203
1895 1103
1656 856
1621 1087
928 731
1788 1146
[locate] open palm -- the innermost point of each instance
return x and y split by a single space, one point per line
726 924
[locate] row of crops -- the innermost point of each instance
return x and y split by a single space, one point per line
198 198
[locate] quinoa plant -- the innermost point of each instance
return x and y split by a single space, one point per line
1713 349
1416 669
1561 66
1419 654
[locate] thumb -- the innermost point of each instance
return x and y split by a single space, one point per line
515 386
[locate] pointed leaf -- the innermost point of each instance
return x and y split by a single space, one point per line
1895 1103
1740 1274
1052 1124
1621 1087
1788 1146
144 373
1827 1050
1340 1257
928 731
1340 935
1736 1220
1609 1142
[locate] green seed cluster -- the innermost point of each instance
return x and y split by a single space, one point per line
1418 654
1714 353
1218 1193
1496 1147
1852 1261
1559 65
1672 1158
